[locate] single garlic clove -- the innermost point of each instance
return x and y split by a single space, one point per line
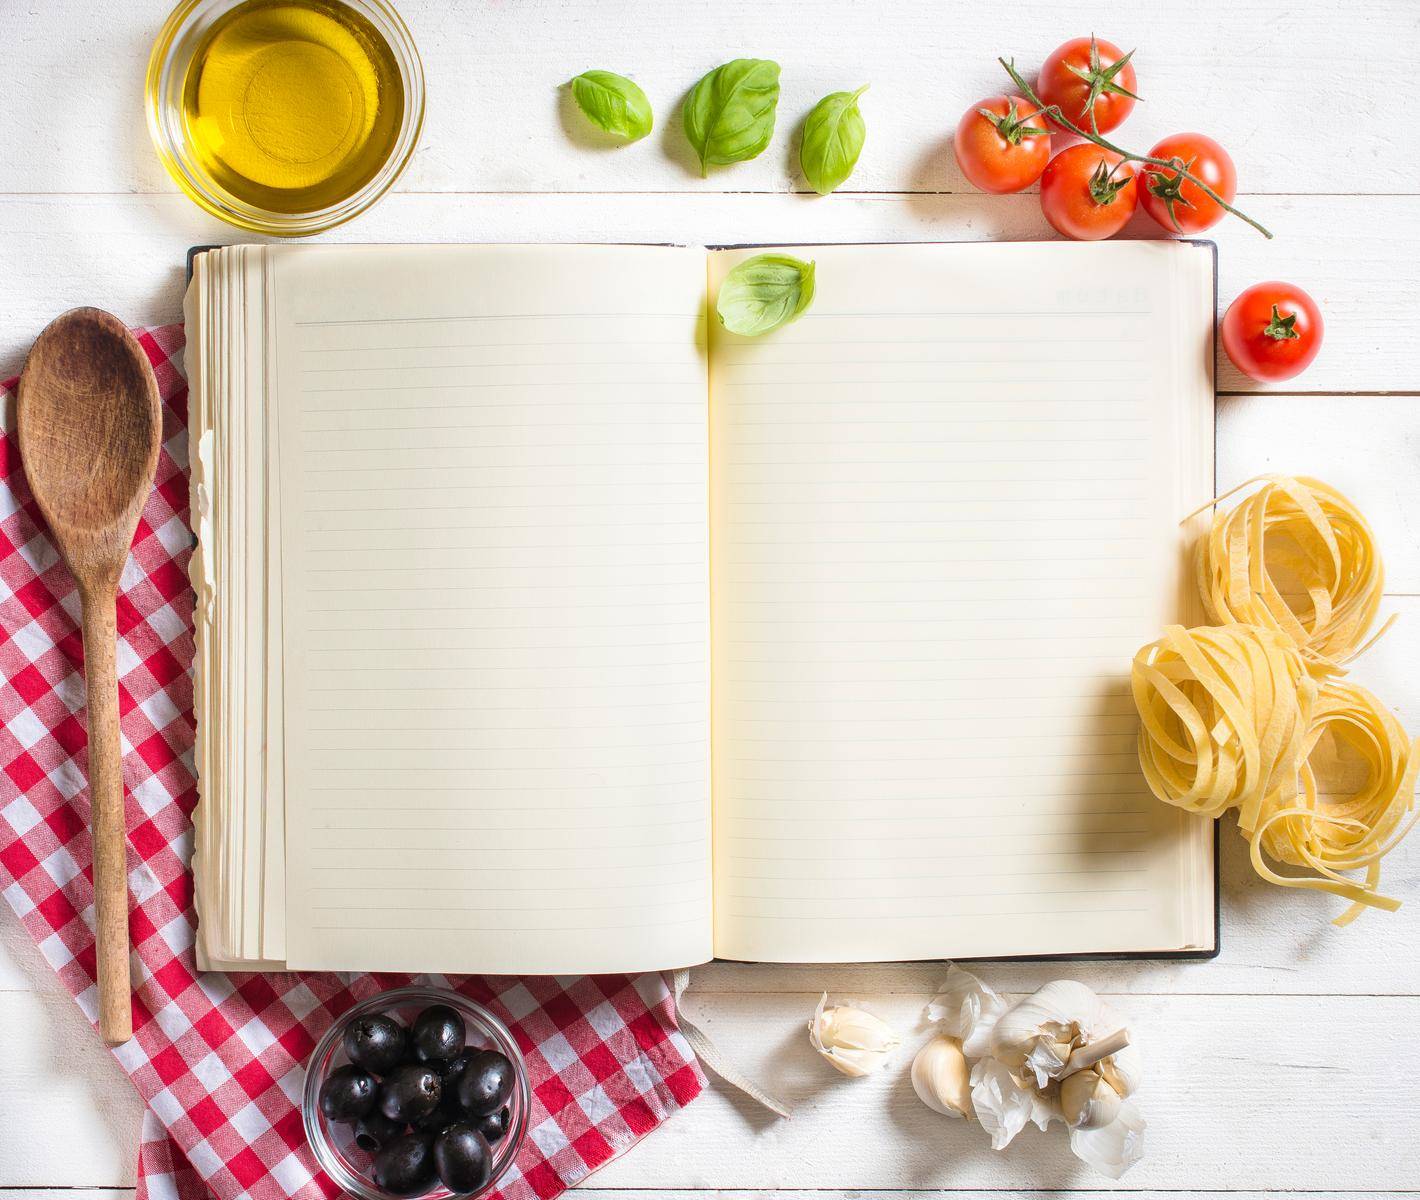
941 1077
1088 1101
1114 1148
853 1041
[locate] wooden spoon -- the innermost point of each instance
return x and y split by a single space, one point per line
90 425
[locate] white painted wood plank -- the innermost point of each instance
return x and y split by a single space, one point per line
682 1193
1295 101
82 1193
1273 1094
1248 1095
777 1193
1356 254
68 1116
782 1193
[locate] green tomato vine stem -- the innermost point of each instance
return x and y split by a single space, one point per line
1092 135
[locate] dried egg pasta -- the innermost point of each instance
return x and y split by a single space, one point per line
1224 712
1331 833
1250 712
1296 556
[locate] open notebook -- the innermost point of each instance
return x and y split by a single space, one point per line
544 626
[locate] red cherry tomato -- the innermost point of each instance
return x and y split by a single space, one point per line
1175 203
1001 144
1088 193
1272 331
1086 73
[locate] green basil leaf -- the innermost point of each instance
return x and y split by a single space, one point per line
612 102
764 292
729 114
833 139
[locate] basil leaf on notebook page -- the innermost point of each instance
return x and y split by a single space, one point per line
613 103
729 114
764 292
833 139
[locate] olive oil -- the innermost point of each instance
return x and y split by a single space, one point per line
292 105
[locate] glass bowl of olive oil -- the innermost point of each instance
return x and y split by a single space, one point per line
285 116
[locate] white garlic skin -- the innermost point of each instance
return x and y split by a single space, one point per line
966 1009
854 1042
941 1078
1088 1101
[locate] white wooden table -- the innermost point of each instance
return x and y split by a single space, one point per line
1289 1064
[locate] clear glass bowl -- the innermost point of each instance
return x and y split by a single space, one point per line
168 65
334 1143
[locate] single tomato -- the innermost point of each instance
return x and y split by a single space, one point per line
1001 144
1087 193
1173 201
1272 331
1087 75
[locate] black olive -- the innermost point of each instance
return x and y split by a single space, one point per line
406 1165
462 1158
438 1032
493 1126
374 1130
377 1042
447 1113
410 1092
486 1083
454 1067
348 1094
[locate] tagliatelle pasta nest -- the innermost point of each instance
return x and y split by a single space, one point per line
1251 713
1354 829
1224 712
1296 556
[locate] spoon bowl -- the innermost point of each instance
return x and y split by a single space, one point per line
92 394
90 426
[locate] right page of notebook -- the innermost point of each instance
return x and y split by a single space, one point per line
946 511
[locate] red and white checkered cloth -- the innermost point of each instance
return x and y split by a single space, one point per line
219 1059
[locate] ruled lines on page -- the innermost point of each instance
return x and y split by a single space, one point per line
943 520
495 474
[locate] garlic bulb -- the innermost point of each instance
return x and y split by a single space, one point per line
1088 1100
941 1077
1060 1054
1039 1035
854 1042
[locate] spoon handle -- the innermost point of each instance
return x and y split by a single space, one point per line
107 819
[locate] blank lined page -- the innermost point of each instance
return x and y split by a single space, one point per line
945 513
495 576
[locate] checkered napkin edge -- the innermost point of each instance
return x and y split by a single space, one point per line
217 1058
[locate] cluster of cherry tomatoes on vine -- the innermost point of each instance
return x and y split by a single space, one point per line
1089 190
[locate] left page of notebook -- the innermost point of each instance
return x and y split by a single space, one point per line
493 472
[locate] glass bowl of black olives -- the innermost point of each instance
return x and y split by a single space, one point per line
416 1092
